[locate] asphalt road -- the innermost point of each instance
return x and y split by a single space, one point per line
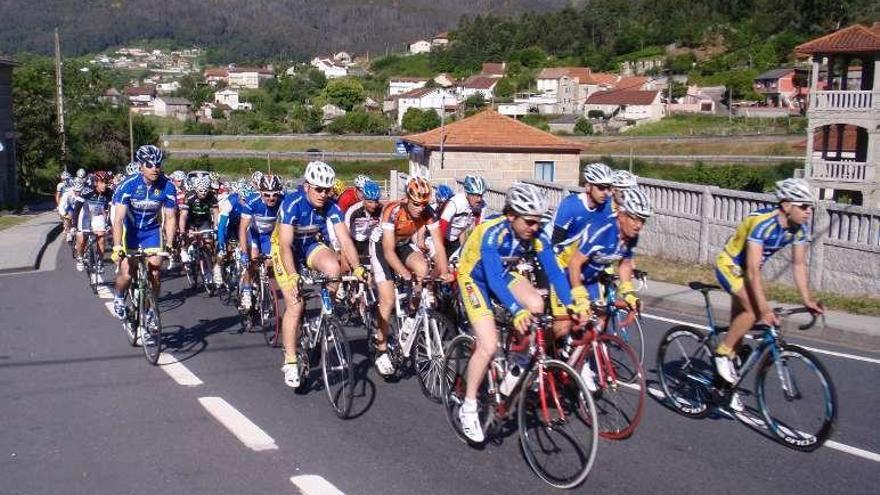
82 412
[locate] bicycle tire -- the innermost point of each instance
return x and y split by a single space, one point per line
791 435
131 322
562 397
154 327
428 363
454 384
336 361
686 378
631 333
620 394
92 265
270 323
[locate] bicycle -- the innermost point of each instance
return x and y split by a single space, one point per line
623 321
92 261
142 321
201 263
690 381
265 306
336 364
549 397
231 271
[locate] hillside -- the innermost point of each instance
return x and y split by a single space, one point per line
236 30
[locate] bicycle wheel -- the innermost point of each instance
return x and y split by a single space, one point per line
628 327
620 387
454 384
151 327
92 265
427 353
558 445
132 315
268 312
685 370
336 368
797 398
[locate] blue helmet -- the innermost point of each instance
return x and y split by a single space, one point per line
474 184
443 193
372 191
149 154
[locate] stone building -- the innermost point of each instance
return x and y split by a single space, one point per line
8 177
843 134
501 149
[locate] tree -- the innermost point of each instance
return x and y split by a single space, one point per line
416 120
359 122
583 127
475 101
505 88
344 92
306 119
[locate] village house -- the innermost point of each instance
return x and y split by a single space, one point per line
780 89
215 76
343 58
231 99
697 100
249 77
627 105
501 149
167 88
479 84
172 107
211 110
141 97
494 69
440 39
445 80
329 67
420 46
438 99
398 84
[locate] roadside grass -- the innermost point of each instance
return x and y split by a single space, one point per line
7 221
676 272
288 169
784 146
377 145
719 125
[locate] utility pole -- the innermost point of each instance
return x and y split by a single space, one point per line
130 136
442 128
59 100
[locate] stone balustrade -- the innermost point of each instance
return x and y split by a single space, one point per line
844 100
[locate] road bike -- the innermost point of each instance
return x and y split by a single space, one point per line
199 269
92 261
323 334
553 408
265 312
795 394
142 323
623 321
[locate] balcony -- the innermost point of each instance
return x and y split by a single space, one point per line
856 101
840 171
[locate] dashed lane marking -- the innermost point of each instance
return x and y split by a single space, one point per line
104 292
251 435
817 350
311 484
178 372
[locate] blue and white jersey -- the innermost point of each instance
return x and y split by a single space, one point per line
95 203
309 223
601 243
572 217
146 201
117 193
262 216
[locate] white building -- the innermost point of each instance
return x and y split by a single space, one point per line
440 39
330 68
167 88
420 46
250 78
483 85
399 85
628 105
438 99
230 98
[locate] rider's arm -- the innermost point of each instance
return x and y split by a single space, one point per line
439 249
551 268
184 217
495 274
625 270
575 265
77 209
346 244
446 217
243 225
752 277
169 209
285 243
388 249
118 218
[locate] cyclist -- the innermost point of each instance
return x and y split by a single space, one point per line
353 194
621 180
90 215
442 194
198 216
62 186
604 242
738 266
65 206
146 206
363 216
259 213
300 241
575 210
481 275
462 212
393 251
229 218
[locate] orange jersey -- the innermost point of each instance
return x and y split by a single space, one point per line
396 217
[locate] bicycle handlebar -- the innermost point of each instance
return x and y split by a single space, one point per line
783 312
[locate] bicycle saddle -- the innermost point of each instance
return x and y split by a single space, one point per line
700 286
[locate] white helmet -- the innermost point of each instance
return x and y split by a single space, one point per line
255 178
132 168
202 183
474 184
360 181
178 175
623 179
320 174
598 173
81 173
525 199
634 202
796 190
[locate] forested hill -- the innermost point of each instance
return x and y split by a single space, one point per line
241 29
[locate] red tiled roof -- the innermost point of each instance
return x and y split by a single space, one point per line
604 78
632 82
489 130
251 69
583 74
493 68
146 89
479 82
216 73
622 97
855 38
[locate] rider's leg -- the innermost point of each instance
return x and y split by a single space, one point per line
742 319
290 323
487 342
325 260
385 291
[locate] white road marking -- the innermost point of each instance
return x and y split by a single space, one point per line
311 484
178 372
854 357
864 454
251 435
109 306
104 292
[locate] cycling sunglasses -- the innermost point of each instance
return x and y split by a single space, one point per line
151 165
803 206
273 194
531 222
602 187
322 190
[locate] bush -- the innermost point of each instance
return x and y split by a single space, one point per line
535 120
359 122
417 120
583 127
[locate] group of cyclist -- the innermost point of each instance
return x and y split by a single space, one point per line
319 225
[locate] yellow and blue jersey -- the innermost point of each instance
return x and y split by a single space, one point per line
763 227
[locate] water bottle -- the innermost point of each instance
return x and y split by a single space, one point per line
516 365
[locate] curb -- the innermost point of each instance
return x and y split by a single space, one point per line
37 251
834 332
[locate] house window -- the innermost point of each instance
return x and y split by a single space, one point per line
545 171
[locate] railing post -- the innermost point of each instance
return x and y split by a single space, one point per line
392 189
821 224
706 215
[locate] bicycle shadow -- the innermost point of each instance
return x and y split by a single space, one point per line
193 340
655 392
